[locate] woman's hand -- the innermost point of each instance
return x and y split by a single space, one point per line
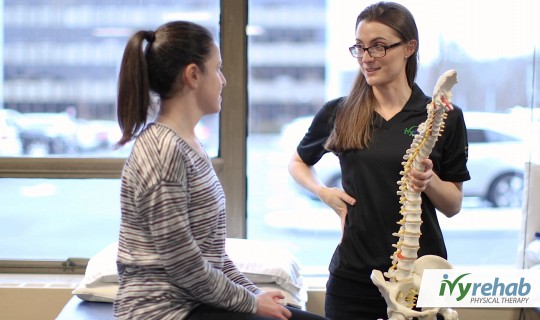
306 176
421 180
268 306
336 199
446 196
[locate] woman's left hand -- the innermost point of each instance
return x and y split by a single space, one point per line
420 180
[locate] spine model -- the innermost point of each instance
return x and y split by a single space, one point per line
404 276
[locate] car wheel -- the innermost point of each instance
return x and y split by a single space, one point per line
506 190
36 149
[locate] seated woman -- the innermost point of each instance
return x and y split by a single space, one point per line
171 259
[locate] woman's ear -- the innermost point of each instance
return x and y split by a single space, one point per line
411 48
192 75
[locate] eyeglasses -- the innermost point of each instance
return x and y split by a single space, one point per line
377 51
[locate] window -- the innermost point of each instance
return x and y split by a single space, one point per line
487 136
59 185
61 64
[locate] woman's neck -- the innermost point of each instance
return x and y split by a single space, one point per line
184 129
391 100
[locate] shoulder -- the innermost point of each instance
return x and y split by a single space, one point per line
158 153
328 111
332 104
158 141
418 100
455 117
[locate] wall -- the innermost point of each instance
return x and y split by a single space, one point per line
35 296
32 303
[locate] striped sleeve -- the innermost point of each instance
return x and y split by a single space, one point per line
232 272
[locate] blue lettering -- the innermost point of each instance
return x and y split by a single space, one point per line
486 288
511 289
526 286
496 286
475 287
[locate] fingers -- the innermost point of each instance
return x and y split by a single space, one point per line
287 313
276 295
269 305
337 199
421 179
347 198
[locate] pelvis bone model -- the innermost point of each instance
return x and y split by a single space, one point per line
404 276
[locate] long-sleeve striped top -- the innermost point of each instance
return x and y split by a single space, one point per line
171 255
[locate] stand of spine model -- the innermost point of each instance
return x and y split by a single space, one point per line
401 283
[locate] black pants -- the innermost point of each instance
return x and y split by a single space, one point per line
357 299
347 299
205 312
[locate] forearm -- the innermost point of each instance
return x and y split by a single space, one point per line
304 175
447 197
232 272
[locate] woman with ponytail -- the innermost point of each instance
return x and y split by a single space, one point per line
171 259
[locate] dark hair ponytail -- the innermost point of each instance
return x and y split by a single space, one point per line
133 89
157 69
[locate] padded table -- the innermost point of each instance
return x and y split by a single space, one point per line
77 309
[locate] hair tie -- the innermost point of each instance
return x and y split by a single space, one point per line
150 36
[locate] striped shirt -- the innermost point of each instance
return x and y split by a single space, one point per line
171 255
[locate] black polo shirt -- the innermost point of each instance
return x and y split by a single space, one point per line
370 176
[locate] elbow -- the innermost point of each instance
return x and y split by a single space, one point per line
451 213
450 205
294 164
451 210
291 166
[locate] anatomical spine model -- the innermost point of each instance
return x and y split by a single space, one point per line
405 274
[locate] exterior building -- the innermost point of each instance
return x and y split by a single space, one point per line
65 55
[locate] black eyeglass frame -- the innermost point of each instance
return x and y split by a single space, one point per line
357 48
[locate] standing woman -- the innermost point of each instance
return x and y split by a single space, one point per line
171 260
370 131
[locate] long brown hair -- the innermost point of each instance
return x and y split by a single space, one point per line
354 118
157 68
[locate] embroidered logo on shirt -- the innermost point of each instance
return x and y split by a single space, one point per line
411 131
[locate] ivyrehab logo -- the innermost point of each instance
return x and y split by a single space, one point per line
483 289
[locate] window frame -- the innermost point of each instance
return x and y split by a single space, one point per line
230 164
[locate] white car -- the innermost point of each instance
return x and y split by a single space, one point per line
10 142
497 156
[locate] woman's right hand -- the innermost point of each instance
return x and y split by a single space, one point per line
306 176
268 305
337 199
